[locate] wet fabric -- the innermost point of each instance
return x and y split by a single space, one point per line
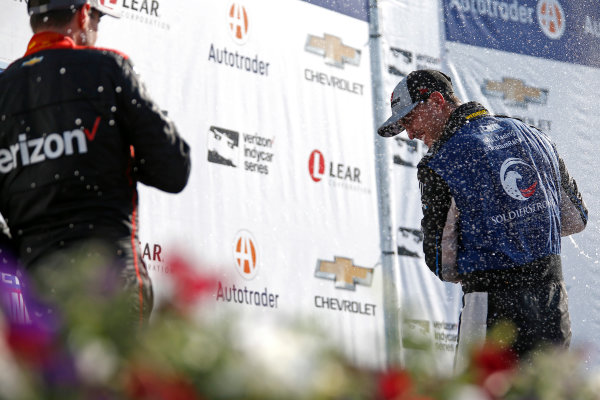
78 131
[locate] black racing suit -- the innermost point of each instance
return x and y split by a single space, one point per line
532 295
77 132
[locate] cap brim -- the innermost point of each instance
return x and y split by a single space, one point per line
108 11
391 127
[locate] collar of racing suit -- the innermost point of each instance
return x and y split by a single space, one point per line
53 40
50 40
460 116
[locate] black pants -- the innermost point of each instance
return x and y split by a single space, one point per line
524 317
91 267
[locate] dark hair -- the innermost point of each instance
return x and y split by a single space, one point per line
54 18
452 98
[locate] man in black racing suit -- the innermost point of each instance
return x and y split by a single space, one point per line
77 132
496 199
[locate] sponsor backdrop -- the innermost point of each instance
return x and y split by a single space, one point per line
275 99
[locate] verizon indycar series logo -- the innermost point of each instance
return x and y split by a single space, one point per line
255 150
335 173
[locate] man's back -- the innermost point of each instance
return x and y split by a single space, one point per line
77 130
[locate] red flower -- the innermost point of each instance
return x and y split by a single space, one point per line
29 343
189 284
394 385
493 358
144 384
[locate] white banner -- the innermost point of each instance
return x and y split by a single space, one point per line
275 101
430 307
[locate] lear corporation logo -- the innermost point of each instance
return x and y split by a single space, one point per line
224 148
333 50
551 18
109 3
145 11
518 178
316 165
238 23
515 92
337 174
345 274
245 254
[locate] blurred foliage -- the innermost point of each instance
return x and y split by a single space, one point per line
94 349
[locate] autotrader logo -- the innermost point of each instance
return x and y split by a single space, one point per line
238 23
518 178
551 18
246 254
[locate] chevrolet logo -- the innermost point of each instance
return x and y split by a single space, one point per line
515 91
33 61
345 275
334 51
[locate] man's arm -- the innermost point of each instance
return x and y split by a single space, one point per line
435 201
573 211
161 156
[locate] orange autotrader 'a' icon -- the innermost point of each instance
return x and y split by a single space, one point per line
238 23
551 18
245 253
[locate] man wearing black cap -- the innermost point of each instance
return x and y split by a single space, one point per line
77 132
496 199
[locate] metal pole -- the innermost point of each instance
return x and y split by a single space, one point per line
383 166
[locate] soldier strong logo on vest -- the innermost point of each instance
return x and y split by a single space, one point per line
519 181
518 178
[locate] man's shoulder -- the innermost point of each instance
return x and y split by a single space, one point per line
104 54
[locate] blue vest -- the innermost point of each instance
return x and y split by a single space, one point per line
504 176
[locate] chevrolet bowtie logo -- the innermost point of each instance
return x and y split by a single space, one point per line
334 51
345 275
515 91
33 61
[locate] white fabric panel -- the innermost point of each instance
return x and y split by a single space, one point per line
264 109
431 308
473 327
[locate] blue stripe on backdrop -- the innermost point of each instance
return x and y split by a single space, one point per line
562 30
353 8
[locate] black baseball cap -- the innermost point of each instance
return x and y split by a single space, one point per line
412 90
107 7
